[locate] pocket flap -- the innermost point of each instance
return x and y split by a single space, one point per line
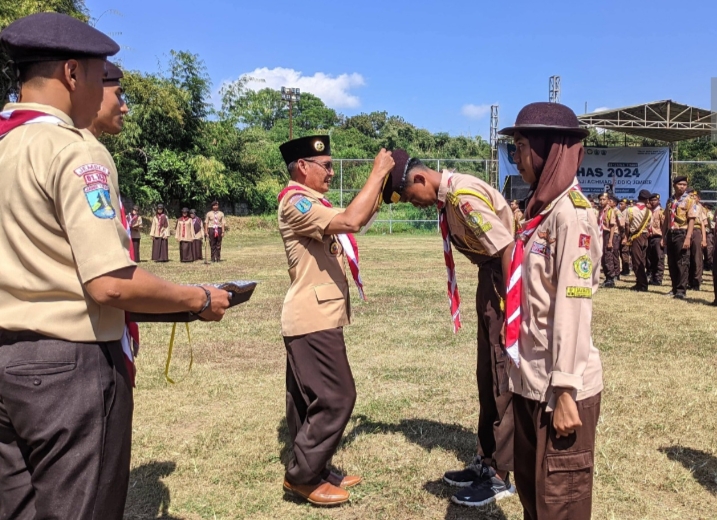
328 291
570 461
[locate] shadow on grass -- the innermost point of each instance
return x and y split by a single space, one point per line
148 496
702 465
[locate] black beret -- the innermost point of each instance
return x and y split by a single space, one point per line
215 203
54 36
613 197
544 116
185 210
160 206
114 73
395 181
305 147
643 195
655 196
681 178
193 211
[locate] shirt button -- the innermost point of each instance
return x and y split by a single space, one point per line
36 382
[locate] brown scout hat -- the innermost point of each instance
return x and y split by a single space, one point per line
546 116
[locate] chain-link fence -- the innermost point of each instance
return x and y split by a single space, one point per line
351 175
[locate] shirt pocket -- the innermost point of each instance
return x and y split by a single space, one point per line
569 477
328 292
540 340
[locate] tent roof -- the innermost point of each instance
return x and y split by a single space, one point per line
662 120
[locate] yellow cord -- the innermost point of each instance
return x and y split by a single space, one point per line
169 354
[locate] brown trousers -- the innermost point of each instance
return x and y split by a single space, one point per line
638 252
65 428
555 476
198 244
655 259
678 260
215 243
320 396
709 251
714 268
160 249
135 248
186 251
495 418
696 260
625 256
610 261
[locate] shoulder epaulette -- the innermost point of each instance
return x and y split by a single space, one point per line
579 200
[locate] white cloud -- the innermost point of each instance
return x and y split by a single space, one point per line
475 111
334 91
601 109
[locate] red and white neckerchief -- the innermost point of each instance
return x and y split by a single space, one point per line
216 224
673 209
131 220
348 242
601 219
130 336
454 299
183 225
11 119
514 293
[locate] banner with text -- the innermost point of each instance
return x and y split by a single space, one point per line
622 171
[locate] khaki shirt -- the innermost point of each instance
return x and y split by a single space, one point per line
638 215
198 228
609 220
701 220
658 218
685 209
60 228
135 225
318 298
157 231
561 272
481 224
215 219
184 232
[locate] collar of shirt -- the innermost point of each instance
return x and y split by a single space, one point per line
443 187
46 109
311 192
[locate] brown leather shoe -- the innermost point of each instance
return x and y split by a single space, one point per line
321 494
343 481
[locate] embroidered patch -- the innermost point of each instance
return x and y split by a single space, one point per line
579 292
466 208
295 197
395 198
545 235
584 242
97 191
579 200
538 248
303 205
583 267
477 224
334 248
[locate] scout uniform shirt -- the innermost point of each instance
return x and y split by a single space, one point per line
214 219
561 272
185 230
638 220
59 228
157 231
318 298
479 218
680 211
658 218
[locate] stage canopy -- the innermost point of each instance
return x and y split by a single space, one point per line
666 120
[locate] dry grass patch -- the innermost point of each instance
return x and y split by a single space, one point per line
212 446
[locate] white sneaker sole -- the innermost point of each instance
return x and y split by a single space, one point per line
495 498
455 483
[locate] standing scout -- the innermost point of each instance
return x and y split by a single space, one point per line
198 234
709 258
699 242
557 374
639 218
625 257
320 390
214 227
677 231
160 235
65 383
517 214
184 233
134 223
476 219
655 251
610 239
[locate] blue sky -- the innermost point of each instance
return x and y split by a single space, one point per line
440 65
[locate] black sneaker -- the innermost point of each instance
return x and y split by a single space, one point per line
715 302
670 294
680 296
475 471
608 283
484 492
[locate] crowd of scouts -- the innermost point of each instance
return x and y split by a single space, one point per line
67 346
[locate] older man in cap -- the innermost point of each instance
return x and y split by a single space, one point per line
677 231
67 371
320 390
477 220
655 252
638 218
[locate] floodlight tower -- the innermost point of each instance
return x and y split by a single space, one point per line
492 172
554 96
290 95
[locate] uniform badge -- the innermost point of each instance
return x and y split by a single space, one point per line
579 292
579 200
584 242
583 267
303 205
395 198
334 248
97 191
466 208
319 146
477 224
545 235
538 248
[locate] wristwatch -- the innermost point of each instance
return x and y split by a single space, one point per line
206 303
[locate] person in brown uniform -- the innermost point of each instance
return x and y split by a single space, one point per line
655 251
65 381
698 244
476 220
134 223
677 232
214 228
320 390
638 221
710 229
625 258
557 378
610 239
517 214
160 235
198 234
184 234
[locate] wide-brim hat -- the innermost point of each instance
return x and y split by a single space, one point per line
546 117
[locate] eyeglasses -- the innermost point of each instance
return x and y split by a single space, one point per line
328 166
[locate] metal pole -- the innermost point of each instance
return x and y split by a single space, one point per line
390 219
341 180
439 166
291 122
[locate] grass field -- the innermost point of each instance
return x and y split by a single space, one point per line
212 445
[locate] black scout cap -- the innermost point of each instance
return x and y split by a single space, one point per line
114 73
546 116
395 182
681 178
655 196
305 147
160 206
54 36
643 195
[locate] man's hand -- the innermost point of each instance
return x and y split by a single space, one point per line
382 164
220 303
704 243
686 244
609 246
566 419
624 241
